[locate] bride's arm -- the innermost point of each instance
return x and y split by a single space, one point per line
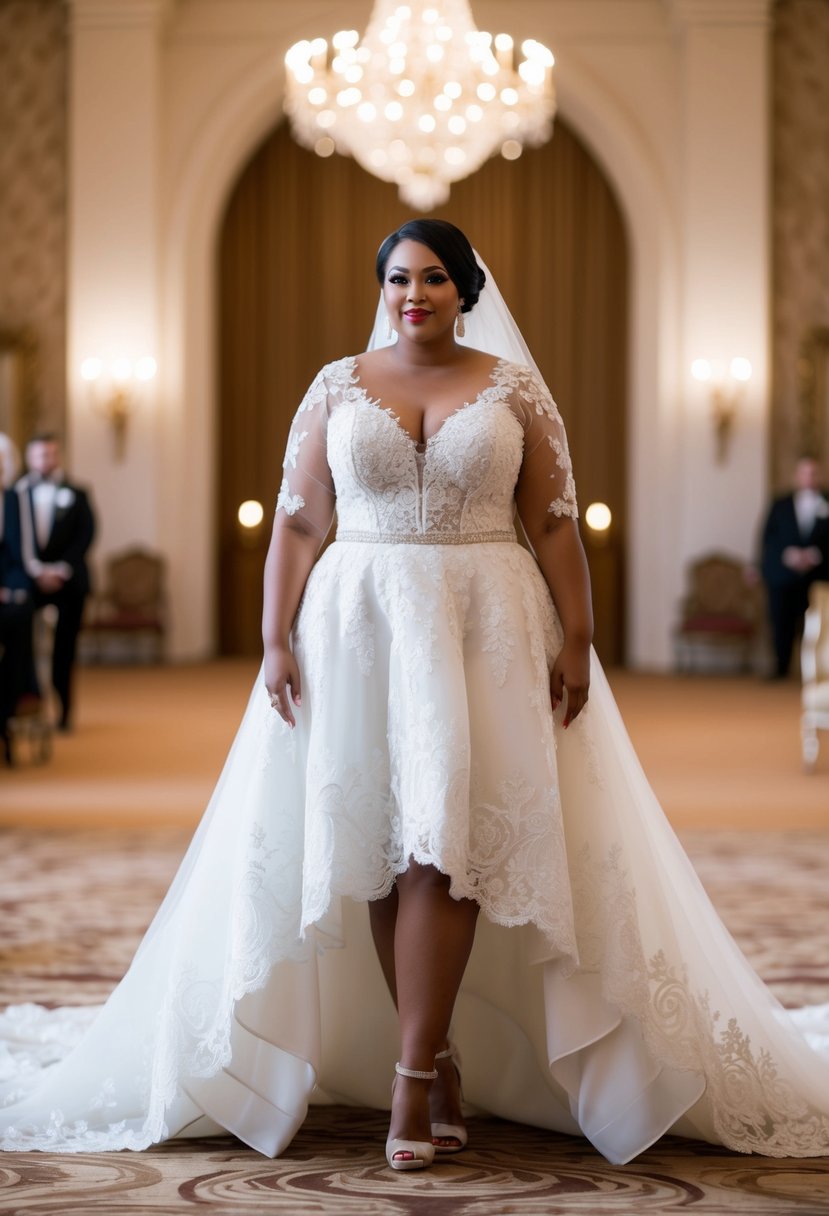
546 499
560 555
290 557
304 511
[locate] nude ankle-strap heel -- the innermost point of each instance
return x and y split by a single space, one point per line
450 1131
421 1152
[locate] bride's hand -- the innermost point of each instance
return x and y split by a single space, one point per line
571 673
282 673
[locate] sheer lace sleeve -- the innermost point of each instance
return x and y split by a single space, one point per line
545 483
307 491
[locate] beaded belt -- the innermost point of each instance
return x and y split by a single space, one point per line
426 538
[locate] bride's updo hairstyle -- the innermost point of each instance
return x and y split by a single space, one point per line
450 245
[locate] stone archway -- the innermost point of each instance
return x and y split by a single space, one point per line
222 146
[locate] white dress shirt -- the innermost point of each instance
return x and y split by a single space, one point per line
43 500
809 505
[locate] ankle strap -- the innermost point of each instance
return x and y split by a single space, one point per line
447 1054
415 1074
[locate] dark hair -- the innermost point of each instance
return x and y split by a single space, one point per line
451 246
43 437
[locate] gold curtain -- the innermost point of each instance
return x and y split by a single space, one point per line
297 289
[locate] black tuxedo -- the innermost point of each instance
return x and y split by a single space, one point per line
16 607
71 533
788 590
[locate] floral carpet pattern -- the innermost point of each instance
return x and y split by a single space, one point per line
61 944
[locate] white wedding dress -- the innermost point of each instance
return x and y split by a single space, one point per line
603 993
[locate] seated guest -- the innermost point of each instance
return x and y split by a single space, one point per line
15 617
56 530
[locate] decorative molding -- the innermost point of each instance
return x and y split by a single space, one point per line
720 12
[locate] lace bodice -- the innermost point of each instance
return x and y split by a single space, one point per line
345 448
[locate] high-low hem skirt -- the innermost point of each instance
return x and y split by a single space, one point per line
603 995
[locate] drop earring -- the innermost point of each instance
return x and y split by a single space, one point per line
460 328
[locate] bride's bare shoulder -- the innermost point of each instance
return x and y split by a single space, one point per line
373 358
481 360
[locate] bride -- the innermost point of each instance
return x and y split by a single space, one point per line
421 751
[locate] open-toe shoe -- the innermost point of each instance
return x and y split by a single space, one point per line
410 1154
450 1131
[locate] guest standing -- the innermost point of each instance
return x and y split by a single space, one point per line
56 527
795 555
15 617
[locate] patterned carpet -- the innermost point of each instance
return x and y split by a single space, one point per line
62 944
335 1167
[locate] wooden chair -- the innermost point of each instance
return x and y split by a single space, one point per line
814 664
720 617
128 623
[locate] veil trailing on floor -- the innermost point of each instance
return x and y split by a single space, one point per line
235 1013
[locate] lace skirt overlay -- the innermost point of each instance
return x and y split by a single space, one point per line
601 981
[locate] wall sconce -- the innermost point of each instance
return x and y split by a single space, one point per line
726 386
115 389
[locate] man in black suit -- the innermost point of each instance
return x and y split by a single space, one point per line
56 529
15 617
795 555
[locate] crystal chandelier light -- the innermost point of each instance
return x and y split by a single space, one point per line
423 100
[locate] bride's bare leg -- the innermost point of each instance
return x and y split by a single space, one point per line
382 915
423 938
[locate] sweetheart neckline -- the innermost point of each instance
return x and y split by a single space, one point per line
421 446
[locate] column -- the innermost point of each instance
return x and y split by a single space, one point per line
726 272
113 272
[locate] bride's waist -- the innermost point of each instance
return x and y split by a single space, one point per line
426 538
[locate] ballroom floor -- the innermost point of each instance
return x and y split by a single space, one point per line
119 799
149 744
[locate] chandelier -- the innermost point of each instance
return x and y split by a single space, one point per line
423 100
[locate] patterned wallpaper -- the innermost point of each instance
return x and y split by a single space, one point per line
800 157
33 83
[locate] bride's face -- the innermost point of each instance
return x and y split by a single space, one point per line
420 298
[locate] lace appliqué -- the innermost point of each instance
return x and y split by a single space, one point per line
288 502
565 504
754 1109
531 391
310 418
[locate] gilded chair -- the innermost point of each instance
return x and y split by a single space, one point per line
128 623
720 617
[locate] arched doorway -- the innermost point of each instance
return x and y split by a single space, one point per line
296 289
